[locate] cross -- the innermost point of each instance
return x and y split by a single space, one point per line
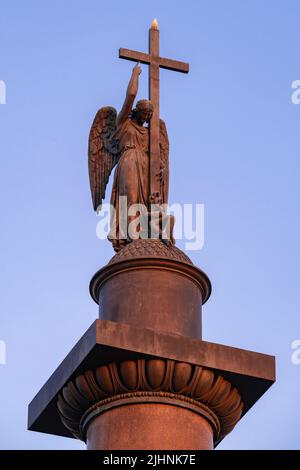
155 62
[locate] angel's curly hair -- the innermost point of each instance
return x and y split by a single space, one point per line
140 106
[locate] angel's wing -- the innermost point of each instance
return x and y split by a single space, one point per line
164 161
103 152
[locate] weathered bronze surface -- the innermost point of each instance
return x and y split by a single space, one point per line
142 377
155 62
165 382
107 342
144 361
150 425
140 153
154 289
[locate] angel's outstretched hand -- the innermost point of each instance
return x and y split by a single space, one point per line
137 69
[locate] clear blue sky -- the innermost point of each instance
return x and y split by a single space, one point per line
234 147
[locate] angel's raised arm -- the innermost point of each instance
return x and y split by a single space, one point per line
131 93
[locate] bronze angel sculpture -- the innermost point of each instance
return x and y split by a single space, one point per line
122 140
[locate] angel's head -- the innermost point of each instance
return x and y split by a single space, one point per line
142 112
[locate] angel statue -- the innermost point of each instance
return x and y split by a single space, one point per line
122 140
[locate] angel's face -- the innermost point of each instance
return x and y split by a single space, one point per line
144 115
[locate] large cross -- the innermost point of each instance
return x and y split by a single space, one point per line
155 62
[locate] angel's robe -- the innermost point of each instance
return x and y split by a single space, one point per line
131 178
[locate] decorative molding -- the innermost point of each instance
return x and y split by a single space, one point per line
201 389
145 248
151 262
148 397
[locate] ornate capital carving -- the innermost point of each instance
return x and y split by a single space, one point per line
154 381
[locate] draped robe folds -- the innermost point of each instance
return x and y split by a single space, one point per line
131 178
